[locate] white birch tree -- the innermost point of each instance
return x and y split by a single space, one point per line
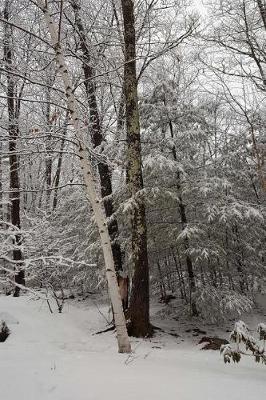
90 184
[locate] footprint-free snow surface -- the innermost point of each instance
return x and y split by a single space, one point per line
56 356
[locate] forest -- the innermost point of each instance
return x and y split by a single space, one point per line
133 193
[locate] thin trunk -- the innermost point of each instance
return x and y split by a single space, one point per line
121 113
139 300
239 260
1 187
48 158
183 217
180 278
171 272
162 285
211 267
167 275
90 184
182 275
59 164
13 130
97 137
230 278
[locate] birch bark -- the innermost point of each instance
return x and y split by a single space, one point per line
97 138
90 184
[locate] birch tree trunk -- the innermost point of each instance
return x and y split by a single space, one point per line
13 131
97 136
139 300
90 184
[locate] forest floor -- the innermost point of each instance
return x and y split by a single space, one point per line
57 356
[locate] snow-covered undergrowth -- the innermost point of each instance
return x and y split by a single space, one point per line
57 357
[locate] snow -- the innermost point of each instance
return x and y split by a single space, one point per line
57 357
9 319
262 327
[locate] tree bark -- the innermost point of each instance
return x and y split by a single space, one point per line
139 300
262 8
180 278
13 130
59 164
183 217
1 188
90 184
97 137
48 157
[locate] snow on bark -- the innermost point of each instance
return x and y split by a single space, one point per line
119 318
139 300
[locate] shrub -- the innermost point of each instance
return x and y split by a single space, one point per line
216 304
243 343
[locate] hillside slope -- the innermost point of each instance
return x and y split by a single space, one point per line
55 356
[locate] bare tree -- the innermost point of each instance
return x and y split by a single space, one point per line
97 137
89 180
13 105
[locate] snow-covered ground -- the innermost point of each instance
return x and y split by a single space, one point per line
57 357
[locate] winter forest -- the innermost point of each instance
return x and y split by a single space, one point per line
132 199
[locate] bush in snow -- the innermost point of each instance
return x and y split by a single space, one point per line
4 331
243 343
215 304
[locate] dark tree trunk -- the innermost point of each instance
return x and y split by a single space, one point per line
13 130
162 285
239 260
48 158
1 188
262 8
183 217
59 164
139 300
180 278
190 269
97 137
